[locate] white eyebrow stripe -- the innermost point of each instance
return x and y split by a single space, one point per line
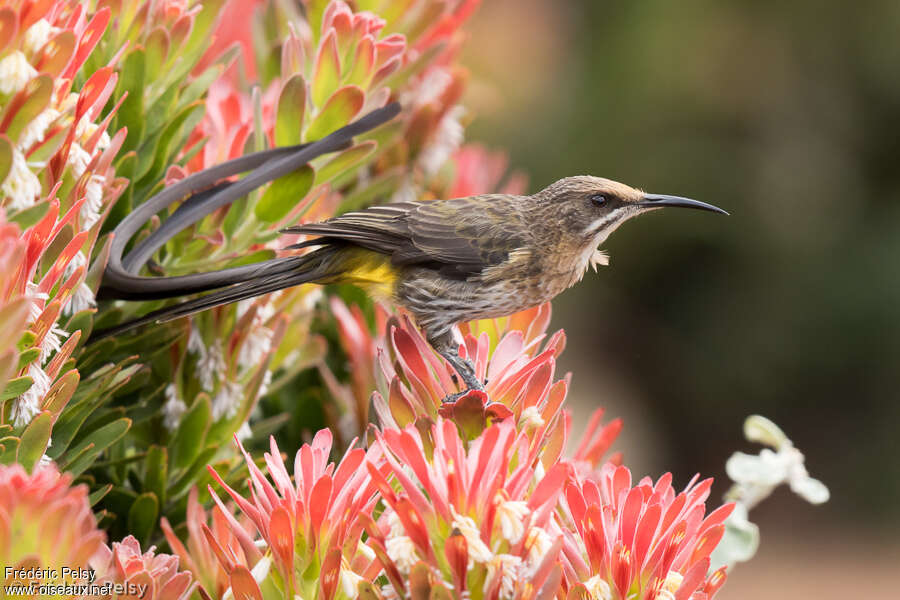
598 224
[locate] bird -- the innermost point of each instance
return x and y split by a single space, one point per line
449 261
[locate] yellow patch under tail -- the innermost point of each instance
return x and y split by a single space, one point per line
369 270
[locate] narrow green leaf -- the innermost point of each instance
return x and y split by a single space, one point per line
35 97
61 392
30 216
284 194
345 161
193 473
8 447
327 71
15 388
290 113
131 113
34 440
99 494
339 110
6 154
191 434
28 356
157 473
142 516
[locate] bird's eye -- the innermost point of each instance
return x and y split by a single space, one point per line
599 199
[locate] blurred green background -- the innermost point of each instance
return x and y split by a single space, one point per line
787 115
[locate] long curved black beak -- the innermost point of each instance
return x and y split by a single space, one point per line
662 200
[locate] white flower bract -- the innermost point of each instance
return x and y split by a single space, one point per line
21 186
15 72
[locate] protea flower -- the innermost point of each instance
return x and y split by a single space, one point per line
196 555
309 524
45 521
145 575
644 542
59 172
476 520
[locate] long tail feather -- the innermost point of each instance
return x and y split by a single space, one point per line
258 286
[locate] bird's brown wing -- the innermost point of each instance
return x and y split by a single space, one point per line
459 237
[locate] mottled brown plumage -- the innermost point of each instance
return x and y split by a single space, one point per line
456 260
486 256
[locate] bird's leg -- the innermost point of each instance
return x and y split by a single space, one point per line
447 348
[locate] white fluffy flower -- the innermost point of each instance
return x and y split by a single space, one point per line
531 418
195 342
173 409
93 203
227 401
446 140
39 34
599 589
402 551
37 300
78 160
478 550
52 341
538 543
21 186
349 580
511 515
508 567
15 72
210 366
28 404
36 129
256 345
86 128
82 299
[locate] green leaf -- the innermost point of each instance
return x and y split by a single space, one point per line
61 392
191 435
34 440
30 216
142 516
131 113
8 447
345 161
96 442
157 473
290 113
34 98
157 48
340 109
284 194
192 473
328 70
15 388
28 356
99 494
6 154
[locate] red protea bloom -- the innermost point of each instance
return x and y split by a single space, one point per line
518 370
310 523
198 556
44 520
147 575
644 542
477 520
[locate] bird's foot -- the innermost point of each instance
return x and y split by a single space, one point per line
450 398
478 386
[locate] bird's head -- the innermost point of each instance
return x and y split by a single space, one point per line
593 207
